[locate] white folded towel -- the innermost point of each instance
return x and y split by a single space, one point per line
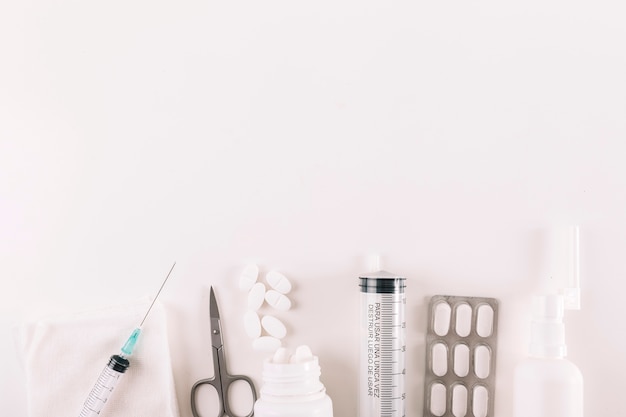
63 358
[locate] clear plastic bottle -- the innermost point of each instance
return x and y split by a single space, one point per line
292 387
546 384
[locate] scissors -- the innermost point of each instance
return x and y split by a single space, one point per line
221 379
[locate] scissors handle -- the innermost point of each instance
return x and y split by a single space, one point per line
227 380
222 386
194 395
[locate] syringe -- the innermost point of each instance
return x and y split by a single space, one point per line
118 364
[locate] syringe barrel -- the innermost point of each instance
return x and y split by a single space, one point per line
106 383
382 328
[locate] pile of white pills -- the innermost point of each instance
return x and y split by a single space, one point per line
267 331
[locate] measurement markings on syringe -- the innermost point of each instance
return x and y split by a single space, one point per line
384 349
390 346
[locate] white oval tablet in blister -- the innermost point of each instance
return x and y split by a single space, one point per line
274 327
480 401
256 296
484 320
266 343
252 324
482 357
278 281
459 400
441 321
438 399
277 300
461 360
248 277
439 357
463 319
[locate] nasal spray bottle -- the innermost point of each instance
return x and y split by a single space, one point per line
546 384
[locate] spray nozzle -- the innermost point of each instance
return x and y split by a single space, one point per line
560 272
547 330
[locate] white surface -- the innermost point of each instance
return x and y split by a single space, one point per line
302 137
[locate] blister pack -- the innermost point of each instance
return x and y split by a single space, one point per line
460 356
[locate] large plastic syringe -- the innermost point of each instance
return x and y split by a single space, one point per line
382 367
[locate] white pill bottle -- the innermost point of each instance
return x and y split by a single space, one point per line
292 387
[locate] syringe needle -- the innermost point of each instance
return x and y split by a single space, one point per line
129 346
157 295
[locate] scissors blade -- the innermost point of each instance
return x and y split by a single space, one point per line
216 327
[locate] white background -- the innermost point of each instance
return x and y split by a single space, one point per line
303 136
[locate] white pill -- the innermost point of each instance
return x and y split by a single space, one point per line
256 296
281 356
278 281
266 343
303 354
248 277
252 324
274 327
277 300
